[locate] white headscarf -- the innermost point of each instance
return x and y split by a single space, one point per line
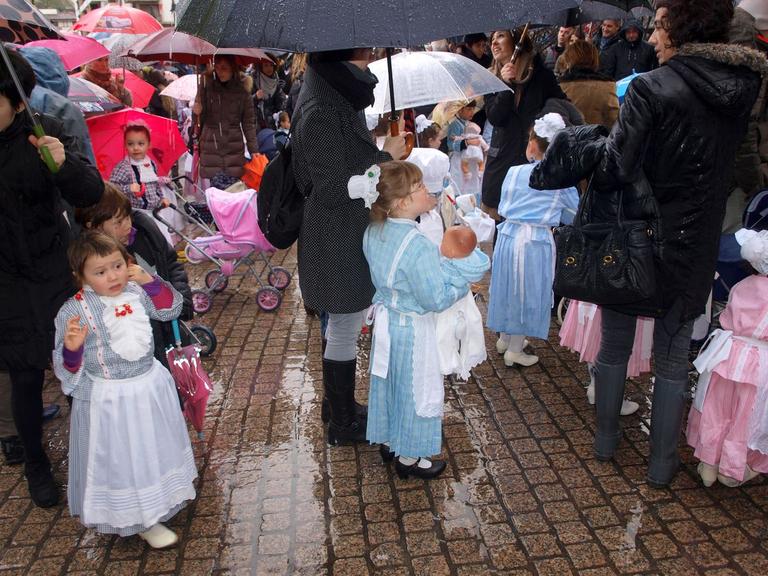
754 248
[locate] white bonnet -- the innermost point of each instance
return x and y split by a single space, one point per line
548 125
754 248
433 164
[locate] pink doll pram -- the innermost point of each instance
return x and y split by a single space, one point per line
237 241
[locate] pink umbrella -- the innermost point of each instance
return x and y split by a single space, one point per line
169 44
115 18
75 50
185 88
107 137
140 90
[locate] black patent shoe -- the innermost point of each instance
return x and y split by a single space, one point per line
13 450
433 471
361 411
42 487
386 454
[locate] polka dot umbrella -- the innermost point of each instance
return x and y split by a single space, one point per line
20 22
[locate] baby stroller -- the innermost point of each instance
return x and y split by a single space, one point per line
238 239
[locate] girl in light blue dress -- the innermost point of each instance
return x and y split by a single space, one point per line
521 294
405 402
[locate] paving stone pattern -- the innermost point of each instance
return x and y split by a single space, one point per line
522 493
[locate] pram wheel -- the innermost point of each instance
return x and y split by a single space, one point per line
279 278
205 338
269 299
201 301
216 281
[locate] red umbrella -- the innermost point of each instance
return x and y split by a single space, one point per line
168 44
115 18
192 381
75 50
140 90
108 139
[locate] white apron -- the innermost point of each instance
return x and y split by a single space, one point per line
140 463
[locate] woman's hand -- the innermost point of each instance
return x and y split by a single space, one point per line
260 94
508 73
197 108
54 145
395 146
137 274
75 335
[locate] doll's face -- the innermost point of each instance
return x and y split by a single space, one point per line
107 275
458 242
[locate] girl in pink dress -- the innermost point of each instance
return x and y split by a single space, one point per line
728 421
581 333
727 424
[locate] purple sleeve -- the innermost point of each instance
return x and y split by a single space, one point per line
72 360
158 291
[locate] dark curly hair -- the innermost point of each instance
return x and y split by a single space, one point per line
696 20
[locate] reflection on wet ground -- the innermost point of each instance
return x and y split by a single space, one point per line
522 493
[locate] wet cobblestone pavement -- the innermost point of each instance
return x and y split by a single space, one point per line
522 493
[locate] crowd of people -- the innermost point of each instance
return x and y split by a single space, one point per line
90 283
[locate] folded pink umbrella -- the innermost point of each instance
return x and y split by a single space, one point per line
74 50
169 44
108 139
113 18
140 90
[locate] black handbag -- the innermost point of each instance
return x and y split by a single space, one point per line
606 263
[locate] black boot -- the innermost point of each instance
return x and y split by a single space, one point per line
345 427
325 408
666 422
13 450
609 396
42 487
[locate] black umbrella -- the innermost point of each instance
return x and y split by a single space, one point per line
21 22
319 25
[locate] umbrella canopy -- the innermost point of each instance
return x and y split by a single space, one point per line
428 77
169 44
140 90
90 98
589 11
74 50
117 44
108 139
117 18
317 25
20 22
192 381
185 88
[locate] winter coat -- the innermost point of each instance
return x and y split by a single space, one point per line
511 123
330 144
679 126
35 278
265 109
624 57
227 115
603 46
150 244
593 94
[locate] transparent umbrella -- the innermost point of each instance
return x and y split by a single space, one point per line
421 78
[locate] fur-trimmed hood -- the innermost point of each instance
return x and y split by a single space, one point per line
726 76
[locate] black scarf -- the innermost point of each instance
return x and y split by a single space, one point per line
355 85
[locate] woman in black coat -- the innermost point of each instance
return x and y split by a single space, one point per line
512 112
35 278
331 143
679 127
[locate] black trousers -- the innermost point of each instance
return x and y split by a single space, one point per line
27 402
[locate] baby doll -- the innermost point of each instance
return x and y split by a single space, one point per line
475 150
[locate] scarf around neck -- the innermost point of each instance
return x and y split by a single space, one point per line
268 84
355 85
102 79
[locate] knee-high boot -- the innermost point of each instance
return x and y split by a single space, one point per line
666 422
325 408
609 396
345 426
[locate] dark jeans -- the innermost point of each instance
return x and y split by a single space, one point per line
27 401
671 342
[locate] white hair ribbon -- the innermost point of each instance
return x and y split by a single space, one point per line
548 125
754 248
364 186
422 123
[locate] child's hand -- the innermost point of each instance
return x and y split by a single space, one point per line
137 274
135 188
165 202
74 337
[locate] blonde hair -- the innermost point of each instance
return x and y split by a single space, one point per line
580 54
395 182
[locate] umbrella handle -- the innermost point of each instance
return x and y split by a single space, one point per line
37 129
176 332
394 130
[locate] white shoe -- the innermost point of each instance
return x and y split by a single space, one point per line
733 482
627 406
512 358
159 536
707 472
591 393
502 344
